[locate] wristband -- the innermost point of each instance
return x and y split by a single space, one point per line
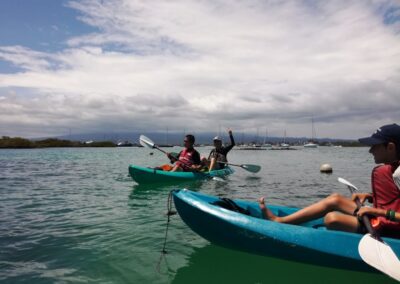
392 215
387 215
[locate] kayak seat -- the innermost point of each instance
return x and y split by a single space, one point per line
229 204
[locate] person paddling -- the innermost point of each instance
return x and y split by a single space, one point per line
378 212
188 159
342 213
218 156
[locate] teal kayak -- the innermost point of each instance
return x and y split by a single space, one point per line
143 175
309 242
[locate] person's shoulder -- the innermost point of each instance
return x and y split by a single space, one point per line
385 169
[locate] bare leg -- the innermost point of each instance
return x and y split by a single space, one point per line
341 222
176 168
212 164
334 202
205 162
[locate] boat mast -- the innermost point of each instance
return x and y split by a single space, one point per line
313 136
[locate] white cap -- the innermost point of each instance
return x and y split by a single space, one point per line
217 138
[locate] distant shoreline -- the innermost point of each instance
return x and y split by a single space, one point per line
23 143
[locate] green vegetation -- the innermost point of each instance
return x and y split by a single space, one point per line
18 142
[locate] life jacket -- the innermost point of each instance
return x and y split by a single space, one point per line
185 159
219 157
386 195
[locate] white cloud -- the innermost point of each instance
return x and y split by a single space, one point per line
198 64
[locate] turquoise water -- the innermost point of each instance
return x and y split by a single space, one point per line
75 216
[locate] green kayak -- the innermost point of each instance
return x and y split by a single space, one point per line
143 175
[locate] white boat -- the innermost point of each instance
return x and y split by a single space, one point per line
284 145
311 143
265 144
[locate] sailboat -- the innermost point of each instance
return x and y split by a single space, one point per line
265 144
284 145
311 143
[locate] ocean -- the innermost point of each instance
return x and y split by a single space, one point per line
74 215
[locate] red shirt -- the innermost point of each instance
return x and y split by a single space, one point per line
386 195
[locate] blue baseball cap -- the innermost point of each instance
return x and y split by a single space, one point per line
384 134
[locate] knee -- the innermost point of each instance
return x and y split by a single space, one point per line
335 196
333 200
331 220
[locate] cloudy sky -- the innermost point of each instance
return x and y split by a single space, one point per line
128 65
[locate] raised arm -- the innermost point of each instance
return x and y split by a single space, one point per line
228 148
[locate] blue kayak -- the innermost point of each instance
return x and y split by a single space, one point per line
309 242
143 175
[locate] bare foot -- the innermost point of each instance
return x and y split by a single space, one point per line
266 213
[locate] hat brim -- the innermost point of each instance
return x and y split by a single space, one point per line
371 141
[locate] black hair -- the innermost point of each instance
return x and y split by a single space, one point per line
190 138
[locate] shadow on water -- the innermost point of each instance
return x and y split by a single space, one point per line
145 189
213 264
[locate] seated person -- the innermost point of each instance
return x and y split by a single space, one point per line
341 213
218 156
188 160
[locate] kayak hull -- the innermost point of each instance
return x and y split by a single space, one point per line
143 175
308 243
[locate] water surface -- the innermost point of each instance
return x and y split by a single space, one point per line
74 215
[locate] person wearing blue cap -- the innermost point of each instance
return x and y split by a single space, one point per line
217 158
342 213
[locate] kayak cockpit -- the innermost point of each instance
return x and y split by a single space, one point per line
252 210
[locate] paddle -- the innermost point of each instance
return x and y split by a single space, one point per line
148 143
247 167
372 249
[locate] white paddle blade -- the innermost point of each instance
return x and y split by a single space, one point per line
251 168
146 142
345 182
379 255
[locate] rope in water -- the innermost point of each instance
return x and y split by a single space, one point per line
170 212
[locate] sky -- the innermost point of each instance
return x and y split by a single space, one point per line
97 66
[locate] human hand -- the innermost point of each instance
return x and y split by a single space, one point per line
171 157
371 211
362 197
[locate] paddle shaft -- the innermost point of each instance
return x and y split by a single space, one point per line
158 148
236 165
226 163
365 219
